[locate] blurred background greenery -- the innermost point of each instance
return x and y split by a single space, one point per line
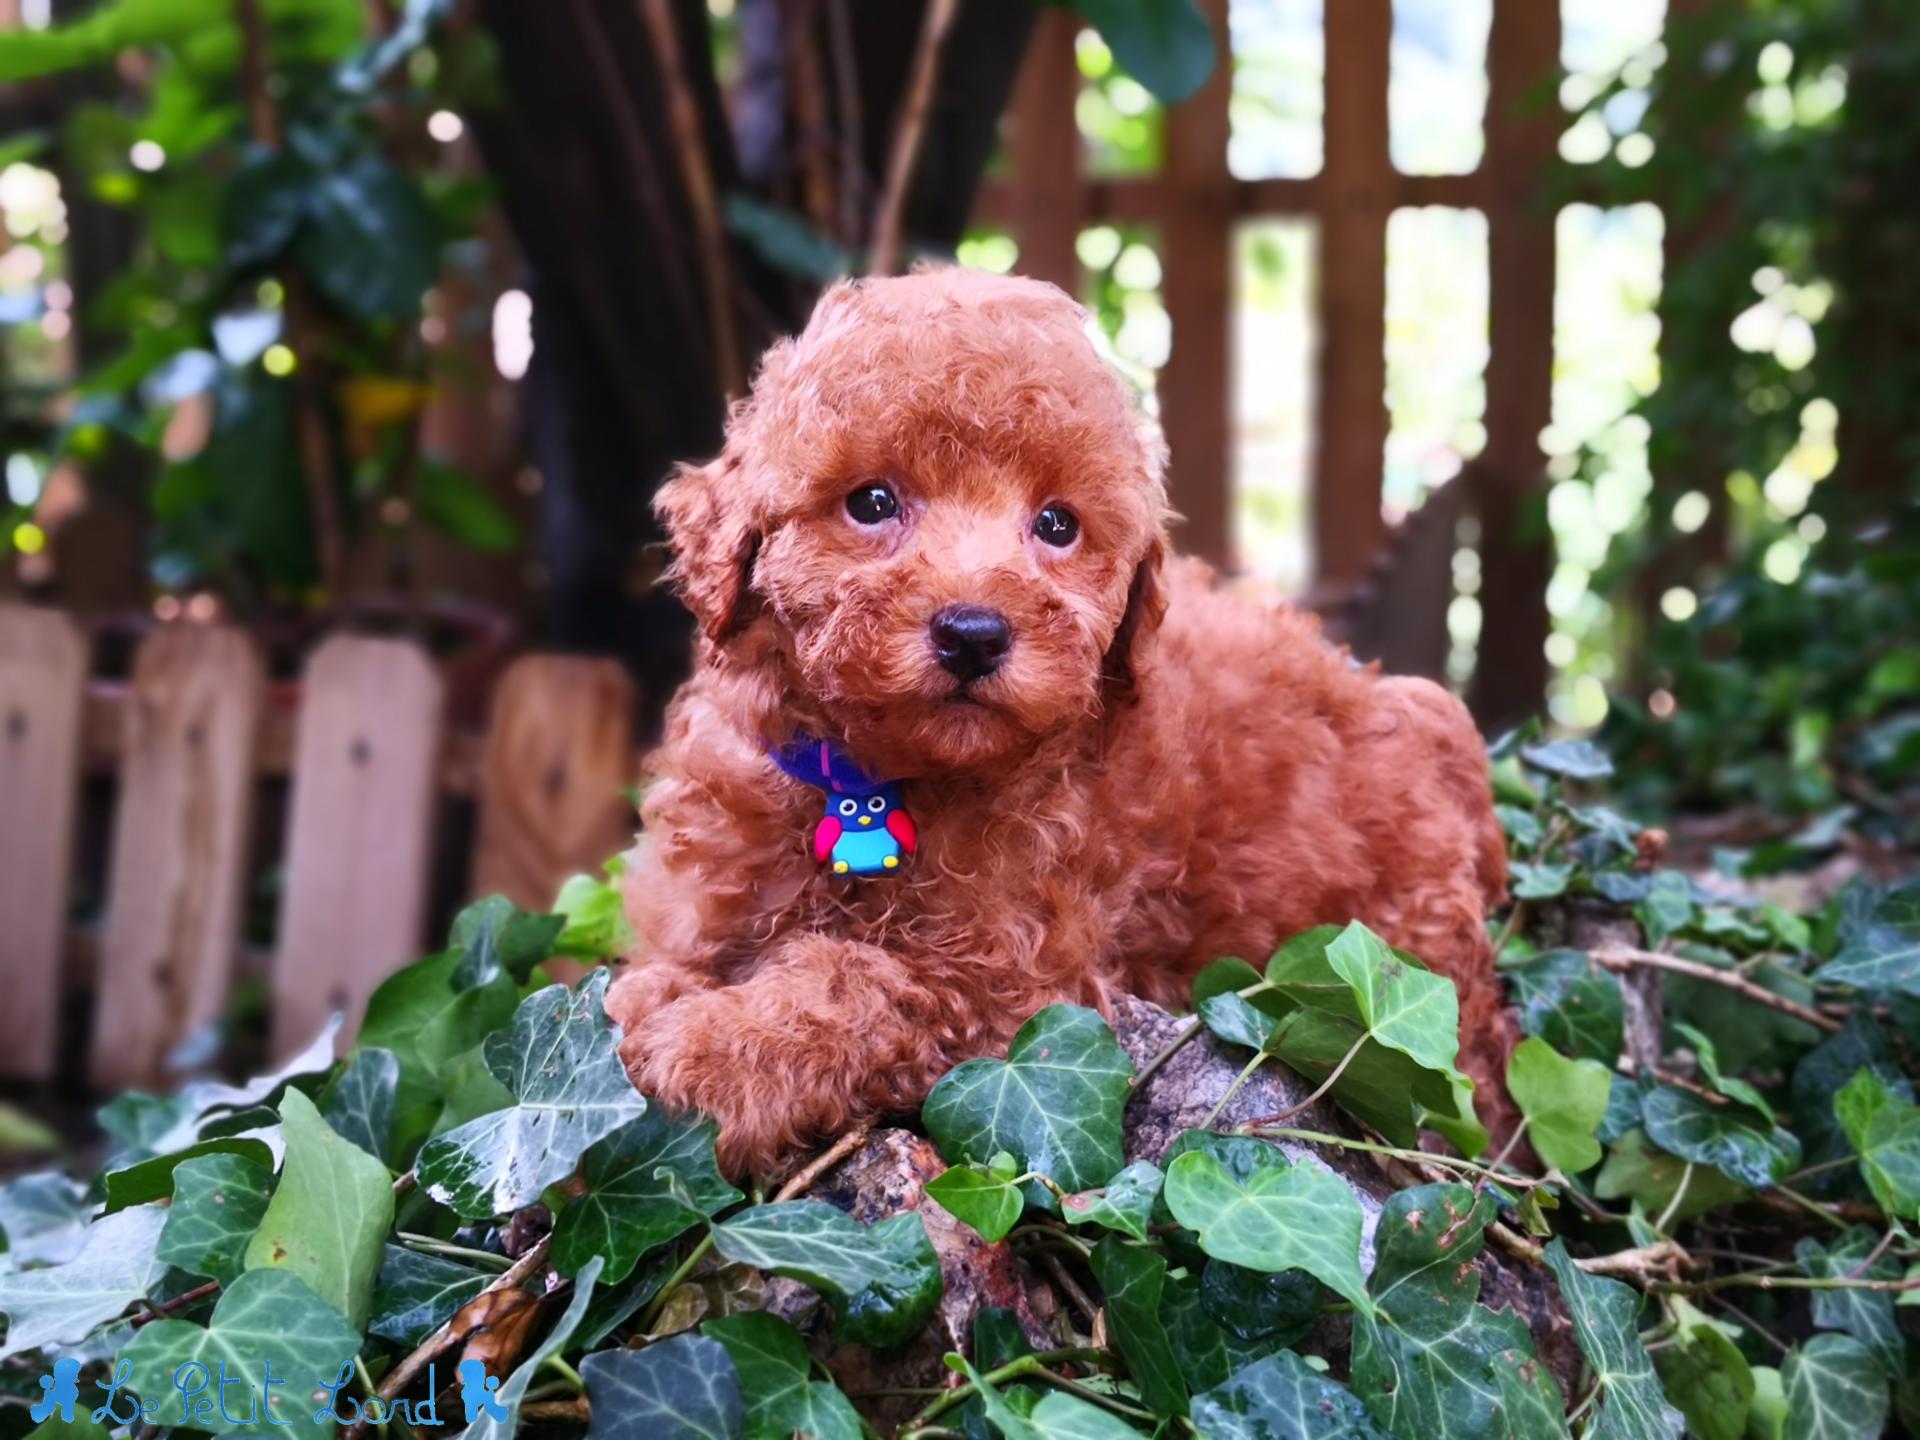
325 308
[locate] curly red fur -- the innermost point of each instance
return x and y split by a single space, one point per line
1162 772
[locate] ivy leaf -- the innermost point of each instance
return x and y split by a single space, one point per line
1886 1131
1209 1354
776 1379
416 1294
218 1204
1060 1416
1054 1103
1881 944
515 1390
1252 1306
1167 45
681 1389
329 1217
559 1062
1731 1086
594 916
364 207
1221 977
1237 1020
1636 1171
1819 1077
1571 1003
1568 759
1125 1203
1133 1279
1380 1087
44 1218
152 1179
359 1104
881 1280
418 1015
1605 1314
1706 1376
1835 1390
1283 1217
1539 882
1867 1315
1564 1102
1404 1006
647 1182
1282 1398
266 1317
1667 908
494 936
1429 1362
1730 1138
986 1199
59 1305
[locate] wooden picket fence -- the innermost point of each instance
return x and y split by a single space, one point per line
189 745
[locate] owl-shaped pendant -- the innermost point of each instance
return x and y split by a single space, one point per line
864 834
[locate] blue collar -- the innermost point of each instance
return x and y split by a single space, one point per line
825 766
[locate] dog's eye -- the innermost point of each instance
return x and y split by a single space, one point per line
849 807
873 504
1056 525
877 804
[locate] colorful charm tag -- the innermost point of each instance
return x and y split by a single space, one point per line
866 829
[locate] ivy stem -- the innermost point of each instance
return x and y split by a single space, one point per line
1872 1255
1493 1165
428 1245
1782 1282
1451 1162
1813 1206
1673 1205
1626 957
1324 1086
667 1286
1013 1370
1094 1397
373 1392
1246 1074
567 1373
1192 1032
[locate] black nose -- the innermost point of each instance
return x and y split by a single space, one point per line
971 640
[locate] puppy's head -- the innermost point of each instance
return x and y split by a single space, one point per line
937 525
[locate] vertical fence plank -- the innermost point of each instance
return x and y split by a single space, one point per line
559 759
1196 389
1044 150
43 674
1516 547
1356 199
360 838
178 872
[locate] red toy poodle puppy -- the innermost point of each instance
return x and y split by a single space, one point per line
931 572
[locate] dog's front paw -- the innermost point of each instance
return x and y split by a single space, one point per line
692 1056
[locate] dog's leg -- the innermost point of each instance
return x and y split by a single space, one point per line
826 1032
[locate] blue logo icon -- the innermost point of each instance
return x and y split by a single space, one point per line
476 1391
63 1388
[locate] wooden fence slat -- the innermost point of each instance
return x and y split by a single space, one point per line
1044 149
178 872
1516 547
559 757
1196 389
360 838
43 675
1356 199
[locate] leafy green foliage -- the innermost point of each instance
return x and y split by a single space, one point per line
1133 1280
1882 946
1706 1377
1564 1102
776 1376
329 1217
986 1197
882 1280
1282 1398
1167 45
1834 1389
1284 1216
1737 1142
649 1181
1629 1399
1571 1003
60 1304
266 1317
1885 1130
218 1202
1053 1104
415 1294
1124 1203
569 1089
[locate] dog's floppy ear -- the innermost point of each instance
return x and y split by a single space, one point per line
708 516
1146 604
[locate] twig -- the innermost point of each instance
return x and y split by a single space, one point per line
427 1245
825 1160
1812 1206
846 90
179 1302
1516 917
702 195
1451 1162
1069 1286
1324 1086
908 136
1872 1255
1246 1074
1747 1320
1788 1282
1012 1370
578 1409
1622 957
443 1339
1178 1043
